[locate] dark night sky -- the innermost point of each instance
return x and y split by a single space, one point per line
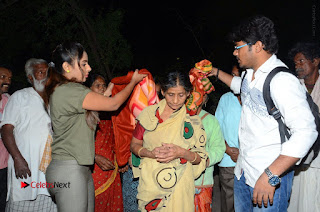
159 33
164 34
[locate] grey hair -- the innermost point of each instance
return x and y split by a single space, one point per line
29 66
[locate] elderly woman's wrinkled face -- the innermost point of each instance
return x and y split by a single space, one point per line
99 85
176 97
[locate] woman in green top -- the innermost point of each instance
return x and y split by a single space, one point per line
69 175
215 146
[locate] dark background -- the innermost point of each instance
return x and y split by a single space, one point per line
158 35
191 32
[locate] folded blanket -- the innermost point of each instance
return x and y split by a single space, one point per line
143 95
201 85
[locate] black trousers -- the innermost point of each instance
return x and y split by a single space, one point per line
226 177
3 188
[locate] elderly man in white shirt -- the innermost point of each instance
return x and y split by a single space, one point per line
264 167
306 183
26 129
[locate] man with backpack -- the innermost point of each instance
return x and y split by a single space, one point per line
263 173
306 183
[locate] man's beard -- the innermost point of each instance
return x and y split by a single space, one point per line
39 85
300 70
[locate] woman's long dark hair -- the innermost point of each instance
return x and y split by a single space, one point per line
70 52
175 79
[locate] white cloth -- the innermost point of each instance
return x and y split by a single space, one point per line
259 135
305 194
315 94
25 111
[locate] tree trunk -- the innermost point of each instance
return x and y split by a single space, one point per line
92 39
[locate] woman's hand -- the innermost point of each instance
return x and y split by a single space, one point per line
168 152
104 163
108 91
136 77
123 169
158 152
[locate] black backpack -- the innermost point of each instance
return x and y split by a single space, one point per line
272 110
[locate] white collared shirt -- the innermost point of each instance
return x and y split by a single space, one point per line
25 111
259 134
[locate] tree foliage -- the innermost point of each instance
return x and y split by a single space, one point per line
34 28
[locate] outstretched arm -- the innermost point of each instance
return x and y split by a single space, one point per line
223 76
97 102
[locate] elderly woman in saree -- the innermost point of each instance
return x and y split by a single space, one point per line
170 144
106 173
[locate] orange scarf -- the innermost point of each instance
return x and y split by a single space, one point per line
201 85
143 95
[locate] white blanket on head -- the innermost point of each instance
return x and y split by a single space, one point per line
25 110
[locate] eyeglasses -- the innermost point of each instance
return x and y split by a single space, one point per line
239 47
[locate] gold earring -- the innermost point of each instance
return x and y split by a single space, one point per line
68 71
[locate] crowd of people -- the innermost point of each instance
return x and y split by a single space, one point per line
64 149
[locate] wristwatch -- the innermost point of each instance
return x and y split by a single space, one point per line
274 180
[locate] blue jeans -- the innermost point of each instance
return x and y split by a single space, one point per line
243 196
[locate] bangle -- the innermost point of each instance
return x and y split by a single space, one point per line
217 76
140 151
195 158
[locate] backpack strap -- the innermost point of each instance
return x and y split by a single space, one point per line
244 75
272 110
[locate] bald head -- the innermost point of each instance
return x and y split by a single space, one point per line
5 79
